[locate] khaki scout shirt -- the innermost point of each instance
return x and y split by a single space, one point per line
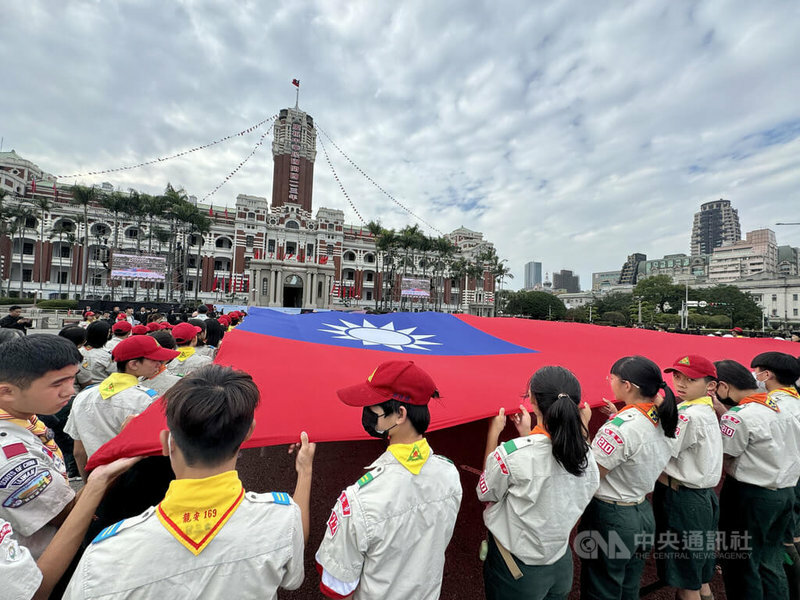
634 449
697 448
18 571
96 366
756 441
194 362
161 382
112 343
208 351
535 502
94 420
388 532
33 487
259 549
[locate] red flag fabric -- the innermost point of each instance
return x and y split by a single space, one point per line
323 259
33 185
211 211
296 82
478 364
226 212
55 190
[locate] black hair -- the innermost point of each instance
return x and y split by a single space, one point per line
735 374
785 366
209 413
214 332
202 309
75 334
6 334
164 339
14 307
28 358
646 375
201 323
558 395
97 334
418 415
153 317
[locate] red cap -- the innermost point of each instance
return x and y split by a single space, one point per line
122 326
121 317
400 380
142 346
139 330
89 314
164 325
737 330
153 326
693 366
183 332
225 319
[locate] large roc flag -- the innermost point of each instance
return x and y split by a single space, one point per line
479 364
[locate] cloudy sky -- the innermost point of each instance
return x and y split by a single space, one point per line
572 133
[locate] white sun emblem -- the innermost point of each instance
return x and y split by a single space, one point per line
370 335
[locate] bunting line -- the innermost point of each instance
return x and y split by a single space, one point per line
170 157
241 164
373 182
341 187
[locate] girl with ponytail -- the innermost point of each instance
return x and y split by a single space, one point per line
537 485
617 530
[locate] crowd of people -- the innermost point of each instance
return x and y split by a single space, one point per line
644 484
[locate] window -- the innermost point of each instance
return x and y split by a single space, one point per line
794 297
774 297
330 226
27 248
369 258
97 279
319 289
128 283
794 312
249 240
27 275
265 286
190 285
251 216
369 295
271 246
192 262
66 251
132 233
309 249
223 243
63 276
292 225
30 222
349 255
370 276
349 274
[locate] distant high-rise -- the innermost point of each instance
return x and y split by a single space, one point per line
716 224
294 149
565 280
533 275
630 270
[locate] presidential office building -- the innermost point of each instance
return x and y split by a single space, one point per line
262 253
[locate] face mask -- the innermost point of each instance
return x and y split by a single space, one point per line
762 386
726 401
369 421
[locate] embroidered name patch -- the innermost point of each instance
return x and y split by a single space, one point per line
606 446
18 474
502 464
333 523
345 504
482 484
12 450
614 435
727 431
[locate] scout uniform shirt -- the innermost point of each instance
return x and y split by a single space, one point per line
187 361
208 538
18 571
110 344
33 481
634 449
161 382
755 434
96 366
98 412
535 501
387 533
697 448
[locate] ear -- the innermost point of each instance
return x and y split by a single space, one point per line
163 437
711 388
402 415
6 394
250 431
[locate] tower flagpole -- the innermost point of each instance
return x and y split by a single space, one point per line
296 83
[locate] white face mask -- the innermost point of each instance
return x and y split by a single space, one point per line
762 386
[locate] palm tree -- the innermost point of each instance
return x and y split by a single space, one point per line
115 203
20 215
84 196
44 205
11 226
184 213
71 240
174 199
60 230
201 224
154 207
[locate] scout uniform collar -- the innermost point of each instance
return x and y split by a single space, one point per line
762 398
116 383
185 352
195 510
161 369
648 409
707 400
37 428
786 390
412 456
539 429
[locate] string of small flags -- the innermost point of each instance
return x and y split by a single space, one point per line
341 187
170 157
373 182
241 164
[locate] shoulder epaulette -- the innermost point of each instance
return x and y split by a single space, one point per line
114 529
440 457
367 477
510 446
736 408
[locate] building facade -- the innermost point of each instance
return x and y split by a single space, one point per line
715 225
629 272
567 281
533 275
745 258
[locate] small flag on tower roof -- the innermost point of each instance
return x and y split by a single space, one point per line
296 82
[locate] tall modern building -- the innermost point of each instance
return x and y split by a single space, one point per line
533 275
566 280
716 224
630 270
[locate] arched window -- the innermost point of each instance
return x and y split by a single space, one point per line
292 225
223 242
349 255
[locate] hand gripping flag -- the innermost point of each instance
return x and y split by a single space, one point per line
479 364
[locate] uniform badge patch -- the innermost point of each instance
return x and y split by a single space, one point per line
726 430
365 479
502 464
606 446
29 489
333 523
5 531
281 498
482 484
345 504
614 435
18 474
12 450
684 361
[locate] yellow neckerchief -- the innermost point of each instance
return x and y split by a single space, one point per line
115 383
37 428
185 352
787 390
194 510
707 400
412 456
763 399
648 409
539 429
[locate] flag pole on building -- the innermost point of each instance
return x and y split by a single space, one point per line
296 83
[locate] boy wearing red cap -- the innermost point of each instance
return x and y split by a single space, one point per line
188 359
393 525
99 412
120 330
686 506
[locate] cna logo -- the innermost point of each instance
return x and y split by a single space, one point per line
590 543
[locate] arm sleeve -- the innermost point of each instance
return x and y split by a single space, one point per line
494 481
18 571
685 437
735 434
341 553
294 574
609 447
70 427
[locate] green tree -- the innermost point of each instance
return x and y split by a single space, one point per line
201 226
84 196
538 305
620 302
659 291
44 205
730 301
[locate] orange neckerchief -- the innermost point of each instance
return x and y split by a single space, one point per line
539 429
194 510
37 428
648 409
160 371
763 399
